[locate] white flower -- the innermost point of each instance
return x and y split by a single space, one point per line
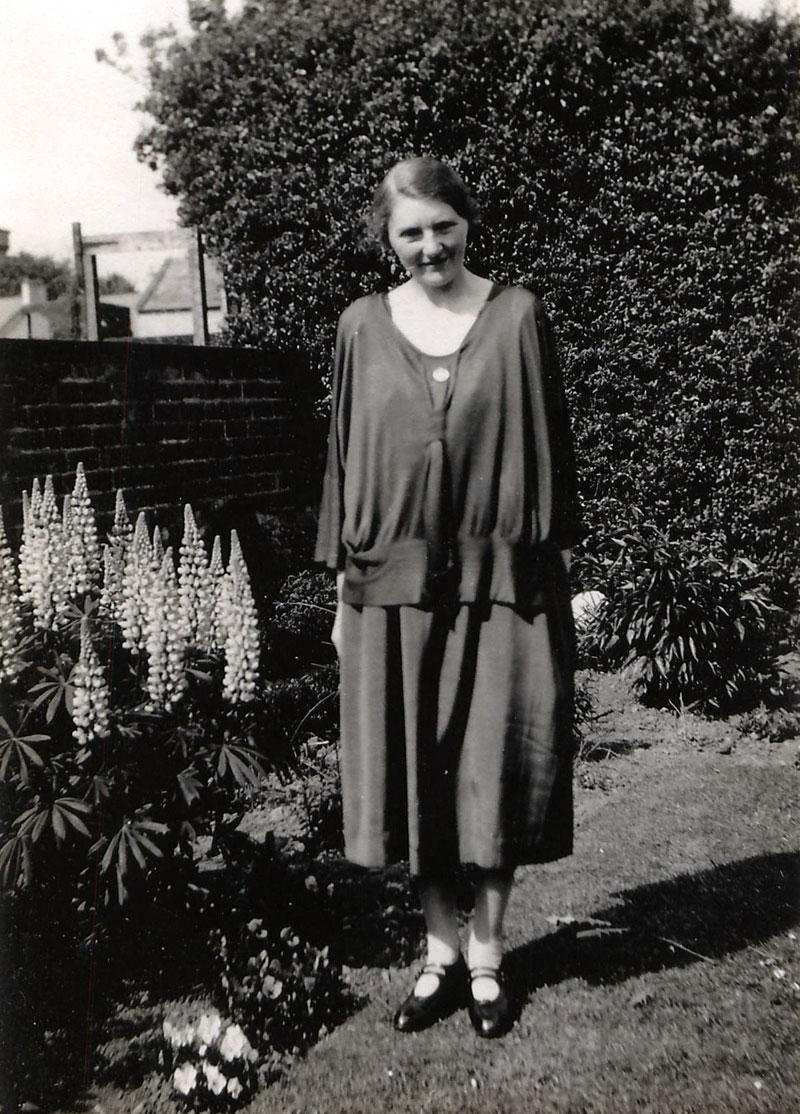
177 1035
80 538
196 584
165 631
10 612
237 617
216 572
234 1087
209 1027
184 1078
90 694
158 547
114 557
43 557
136 578
214 1078
234 1044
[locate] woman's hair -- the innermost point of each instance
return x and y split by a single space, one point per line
424 178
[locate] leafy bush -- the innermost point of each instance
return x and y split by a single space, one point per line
314 791
773 725
136 729
113 761
298 628
693 629
285 989
636 165
306 605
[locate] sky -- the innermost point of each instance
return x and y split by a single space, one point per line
67 124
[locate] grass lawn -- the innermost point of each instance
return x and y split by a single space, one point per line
657 968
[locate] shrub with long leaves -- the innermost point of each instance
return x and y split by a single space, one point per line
694 630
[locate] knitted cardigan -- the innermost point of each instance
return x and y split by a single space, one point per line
494 462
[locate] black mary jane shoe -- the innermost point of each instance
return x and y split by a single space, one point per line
493 1018
418 1013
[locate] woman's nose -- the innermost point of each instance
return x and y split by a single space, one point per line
430 243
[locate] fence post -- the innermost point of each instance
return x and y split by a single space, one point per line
78 305
197 272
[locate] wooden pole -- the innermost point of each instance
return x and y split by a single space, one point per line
197 272
91 298
78 305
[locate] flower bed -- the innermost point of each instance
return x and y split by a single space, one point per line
136 726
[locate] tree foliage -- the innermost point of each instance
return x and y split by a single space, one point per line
55 275
58 277
636 163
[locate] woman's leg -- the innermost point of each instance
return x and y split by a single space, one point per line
485 948
441 987
438 899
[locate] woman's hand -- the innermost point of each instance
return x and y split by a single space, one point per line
336 632
566 557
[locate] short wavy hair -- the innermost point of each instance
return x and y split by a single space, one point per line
425 178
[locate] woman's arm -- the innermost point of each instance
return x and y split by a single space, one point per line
336 632
328 550
565 526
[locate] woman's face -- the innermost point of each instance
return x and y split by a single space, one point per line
429 238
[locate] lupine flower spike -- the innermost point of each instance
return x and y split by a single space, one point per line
158 549
28 558
165 638
90 697
57 555
81 538
10 611
237 612
216 571
44 572
136 579
195 585
114 556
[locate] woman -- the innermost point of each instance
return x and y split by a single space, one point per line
448 514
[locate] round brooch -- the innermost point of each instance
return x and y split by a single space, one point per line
441 374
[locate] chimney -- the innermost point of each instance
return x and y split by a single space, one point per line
33 292
4 237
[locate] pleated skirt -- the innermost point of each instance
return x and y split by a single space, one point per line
456 735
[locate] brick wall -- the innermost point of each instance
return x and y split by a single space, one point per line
168 423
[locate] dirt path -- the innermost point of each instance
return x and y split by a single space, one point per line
658 965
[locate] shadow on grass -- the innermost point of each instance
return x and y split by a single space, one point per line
673 923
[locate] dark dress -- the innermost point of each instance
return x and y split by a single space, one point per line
447 501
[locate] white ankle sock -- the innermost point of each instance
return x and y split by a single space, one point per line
487 953
442 953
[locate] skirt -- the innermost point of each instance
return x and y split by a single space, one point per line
456 735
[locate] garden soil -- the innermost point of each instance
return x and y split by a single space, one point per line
657 969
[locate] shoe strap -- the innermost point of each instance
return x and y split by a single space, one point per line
433 969
486 973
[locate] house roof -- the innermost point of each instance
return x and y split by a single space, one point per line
9 306
170 289
58 314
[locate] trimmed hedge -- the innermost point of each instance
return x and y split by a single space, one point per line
636 164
